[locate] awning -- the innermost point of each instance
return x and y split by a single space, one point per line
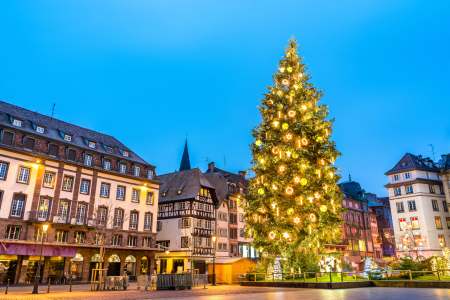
34 249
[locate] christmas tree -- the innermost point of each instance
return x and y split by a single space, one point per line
294 202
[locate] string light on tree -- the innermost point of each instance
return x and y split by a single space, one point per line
294 153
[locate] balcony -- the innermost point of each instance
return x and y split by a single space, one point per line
60 219
35 216
202 251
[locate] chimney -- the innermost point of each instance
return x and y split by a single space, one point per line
211 166
242 173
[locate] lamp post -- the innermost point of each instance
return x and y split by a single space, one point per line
214 239
38 269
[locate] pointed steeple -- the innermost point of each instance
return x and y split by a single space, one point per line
185 162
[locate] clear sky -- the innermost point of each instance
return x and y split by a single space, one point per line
152 72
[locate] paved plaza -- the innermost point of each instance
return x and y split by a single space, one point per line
234 292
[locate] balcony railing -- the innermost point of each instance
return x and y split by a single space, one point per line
202 232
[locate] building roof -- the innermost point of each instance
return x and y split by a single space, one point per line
411 162
183 185
445 162
56 129
352 189
185 161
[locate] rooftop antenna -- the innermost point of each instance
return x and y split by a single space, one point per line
53 109
432 151
349 177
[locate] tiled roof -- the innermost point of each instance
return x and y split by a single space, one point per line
56 129
411 162
183 185
352 189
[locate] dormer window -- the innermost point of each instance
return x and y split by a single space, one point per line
91 144
106 164
150 174
67 137
108 148
17 122
125 153
40 129
88 159
136 171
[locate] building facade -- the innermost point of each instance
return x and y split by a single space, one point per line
419 209
381 209
91 190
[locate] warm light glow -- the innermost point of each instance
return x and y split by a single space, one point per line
214 238
167 252
44 228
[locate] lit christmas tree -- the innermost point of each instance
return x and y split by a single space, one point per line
294 202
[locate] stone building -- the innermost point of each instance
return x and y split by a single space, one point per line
90 189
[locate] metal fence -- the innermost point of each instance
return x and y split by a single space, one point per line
181 281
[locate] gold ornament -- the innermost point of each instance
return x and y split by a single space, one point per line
275 124
275 150
274 187
323 208
282 69
280 93
317 195
261 191
289 190
296 220
304 107
290 211
312 218
295 155
285 82
303 181
304 141
281 169
289 136
297 179
291 113
285 126
285 235
288 154
258 143
289 69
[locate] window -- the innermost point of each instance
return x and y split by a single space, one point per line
445 205
71 154
67 183
397 191
80 237
158 226
91 144
80 216
441 239
88 159
435 205
184 242
148 221
412 205
150 174
104 189
120 193
241 218
402 222
43 208
40 129
63 210
49 179
149 199
438 222
242 232
431 188
163 244
122 168
53 150
125 153
136 171
233 219
13 232
135 195
116 240
85 186
186 223
99 238
28 143
147 242
17 122
106 164
102 215
407 175
24 175
67 137
17 206
132 241
233 233
61 236
415 223
409 189
134 218
204 192
447 220
4 166
118 217
7 138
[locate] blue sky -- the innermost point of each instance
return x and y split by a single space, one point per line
152 72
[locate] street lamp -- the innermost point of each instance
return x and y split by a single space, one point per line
214 239
38 269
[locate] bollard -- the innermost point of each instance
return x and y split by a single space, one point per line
331 277
316 277
439 275
304 277
7 287
48 285
410 274
70 283
342 276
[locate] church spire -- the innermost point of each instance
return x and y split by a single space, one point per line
185 162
